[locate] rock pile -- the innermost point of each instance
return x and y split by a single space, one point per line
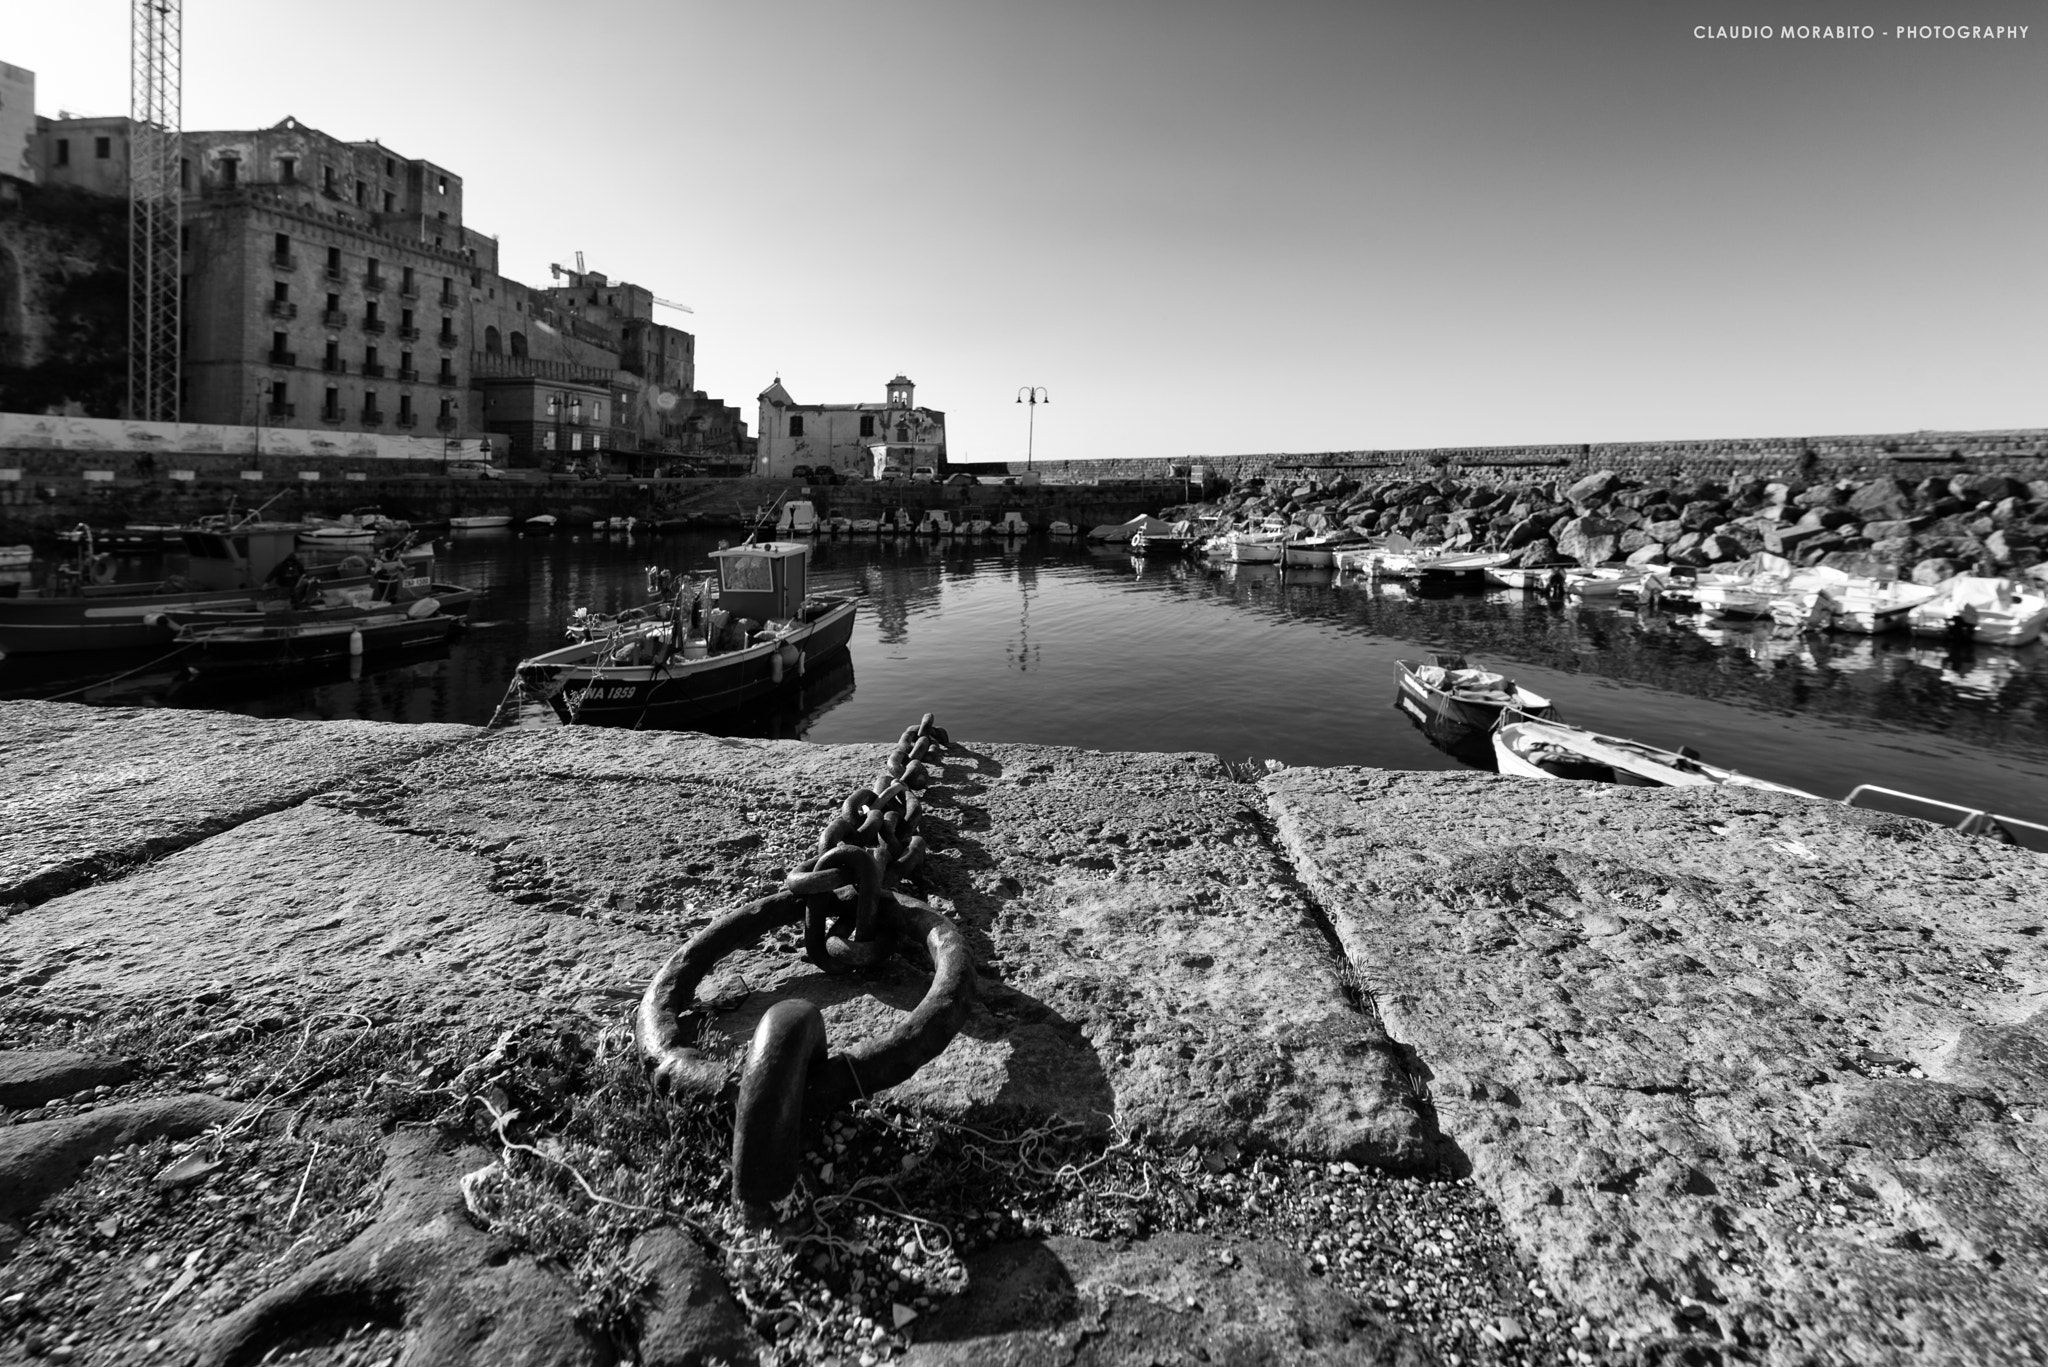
1929 530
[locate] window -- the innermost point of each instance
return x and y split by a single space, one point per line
102 148
597 441
443 217
184 237
333 361
327 179
441 185
518 344
63 151
184 173
405 370
796 427
359 194
575 441
334 262
332 407
281 291
370 318
230 172
902 431
447 331
405 410
447 371
867 425
278 391
370 360
490 341
276 345
370 404
404 320
390 202
405 280
282 251
288 170
554 404
390 167
547 441
447 408
334 303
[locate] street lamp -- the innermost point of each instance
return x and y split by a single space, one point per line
1033 395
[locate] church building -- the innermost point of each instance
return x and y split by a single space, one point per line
856 440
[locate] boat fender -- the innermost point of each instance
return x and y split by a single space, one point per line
423 607
355 643
775 668
103 568
788 657
155 620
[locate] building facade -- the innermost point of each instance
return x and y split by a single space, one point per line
855 440
17 122
332 284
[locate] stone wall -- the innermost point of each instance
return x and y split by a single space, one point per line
2022 453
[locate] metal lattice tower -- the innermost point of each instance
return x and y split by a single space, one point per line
155 87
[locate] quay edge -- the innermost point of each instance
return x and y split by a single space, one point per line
1736 1071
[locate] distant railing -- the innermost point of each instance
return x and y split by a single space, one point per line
493 364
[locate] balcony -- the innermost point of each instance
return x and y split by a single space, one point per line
448 299
374 282
283 308
277 412
372 418
330 415
408 333
409 290
333 272
446 379
283 358
447 422
408 419
446 339
407 375
372 323
334 365
284 261
373 370
333 318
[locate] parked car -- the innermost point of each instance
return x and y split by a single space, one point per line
825 474
800 472
924 474
892 473
681 469
961 477
473 469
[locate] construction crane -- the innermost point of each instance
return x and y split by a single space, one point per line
671 304
155 204
557 272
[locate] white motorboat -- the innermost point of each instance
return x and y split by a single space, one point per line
1552 749
1869 606
1993 611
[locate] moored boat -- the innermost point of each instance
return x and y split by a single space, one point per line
1012 523
485 522
661 672
1552 749
212 646
1459 569
1456 705
542 524
1981 608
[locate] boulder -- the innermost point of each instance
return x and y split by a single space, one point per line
1591 540
1592 489
1818 496
1934 570
1882 530
1894 551
1880 498
2008 550
1717 547
1633 540
1525 532
1664 532
1535 555
1860 562
1651 554
1703 515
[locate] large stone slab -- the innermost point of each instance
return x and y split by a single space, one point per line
84 790
1732 1064
1146 962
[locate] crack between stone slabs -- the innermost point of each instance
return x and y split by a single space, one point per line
1356 994
109 866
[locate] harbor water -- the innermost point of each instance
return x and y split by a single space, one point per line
1086 645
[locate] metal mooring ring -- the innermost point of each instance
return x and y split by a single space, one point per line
788 1077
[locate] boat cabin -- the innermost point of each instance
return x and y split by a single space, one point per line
237 558
799 518
763 580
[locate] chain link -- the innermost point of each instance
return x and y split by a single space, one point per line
789 1075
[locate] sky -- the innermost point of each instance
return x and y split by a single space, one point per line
1222 229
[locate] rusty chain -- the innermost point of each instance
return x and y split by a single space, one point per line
789 1075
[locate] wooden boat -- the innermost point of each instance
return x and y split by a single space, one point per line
1319 552
1458 706
660 673
211 647
327 605
1551 749
483 523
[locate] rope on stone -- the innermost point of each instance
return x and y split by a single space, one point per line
790 1076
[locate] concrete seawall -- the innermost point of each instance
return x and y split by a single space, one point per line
1741 1075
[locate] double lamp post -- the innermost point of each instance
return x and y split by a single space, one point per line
1033 395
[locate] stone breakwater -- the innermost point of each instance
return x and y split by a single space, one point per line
1926 529
1733 1077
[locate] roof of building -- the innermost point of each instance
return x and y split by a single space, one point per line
903 379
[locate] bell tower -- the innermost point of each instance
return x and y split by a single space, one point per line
901 393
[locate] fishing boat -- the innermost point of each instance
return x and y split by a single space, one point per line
1319 552
764 633
213 647
1456 705
1176 539
303 607
1981 608
978 526
82 607
798 517
1551 749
